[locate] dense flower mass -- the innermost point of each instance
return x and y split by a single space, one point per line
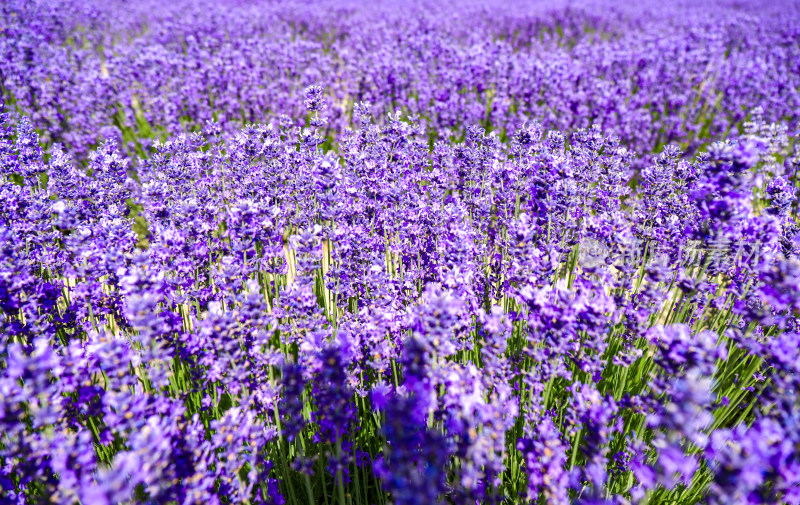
361 253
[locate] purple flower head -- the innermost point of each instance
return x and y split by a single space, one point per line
681 349
333 397
755 464
314 101
413 468
782 195
292 400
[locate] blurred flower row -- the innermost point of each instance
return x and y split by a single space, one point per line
653 73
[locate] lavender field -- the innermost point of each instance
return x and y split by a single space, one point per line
410 253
